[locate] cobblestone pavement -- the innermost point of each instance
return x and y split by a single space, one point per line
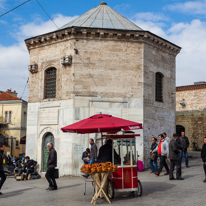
156 191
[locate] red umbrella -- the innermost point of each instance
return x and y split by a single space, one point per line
101 123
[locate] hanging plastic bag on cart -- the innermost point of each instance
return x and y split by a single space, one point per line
140 165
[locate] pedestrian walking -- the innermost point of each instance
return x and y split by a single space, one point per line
203 156
51 164
154 167
163 152
93 154
183 141
174 150
166 138
2 175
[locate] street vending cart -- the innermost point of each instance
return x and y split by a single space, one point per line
126 178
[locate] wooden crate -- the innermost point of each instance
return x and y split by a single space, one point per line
20 177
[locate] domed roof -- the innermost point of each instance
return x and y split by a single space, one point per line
102 16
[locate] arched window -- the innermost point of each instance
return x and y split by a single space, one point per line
159 87
50 83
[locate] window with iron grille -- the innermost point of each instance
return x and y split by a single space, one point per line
9 116
50 83
159 87
6 115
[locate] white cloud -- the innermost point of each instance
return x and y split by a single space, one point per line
150 16
191 7
15 59
2 4
191 60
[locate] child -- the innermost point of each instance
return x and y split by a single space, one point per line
203 156
153 146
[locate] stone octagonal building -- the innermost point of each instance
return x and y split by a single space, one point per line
99 62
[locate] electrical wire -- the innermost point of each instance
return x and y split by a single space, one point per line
21 97
47 14
14 8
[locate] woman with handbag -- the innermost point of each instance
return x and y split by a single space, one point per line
153 156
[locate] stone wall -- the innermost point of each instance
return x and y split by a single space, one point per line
195 126
159 117
194 99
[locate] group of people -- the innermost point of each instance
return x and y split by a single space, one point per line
29 164
171 151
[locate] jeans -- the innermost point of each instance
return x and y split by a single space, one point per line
50 177
92 161
27 172
186 157
153 169
3 178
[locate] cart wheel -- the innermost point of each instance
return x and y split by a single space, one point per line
139 189
110 190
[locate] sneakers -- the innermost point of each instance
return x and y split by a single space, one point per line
156 173
172 178
167 173
151 172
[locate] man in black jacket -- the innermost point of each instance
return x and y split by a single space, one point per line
183 141
174 150
51 164
28 166
105 153
2 175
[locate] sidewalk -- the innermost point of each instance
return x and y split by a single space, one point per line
157 191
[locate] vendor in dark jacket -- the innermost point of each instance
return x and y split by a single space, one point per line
203 156
2 175
51 164
28 166
153 146
105 153
174 150
183 141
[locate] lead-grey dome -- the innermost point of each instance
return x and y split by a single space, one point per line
102 16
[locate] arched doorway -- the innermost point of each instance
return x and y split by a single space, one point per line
179 129
49 137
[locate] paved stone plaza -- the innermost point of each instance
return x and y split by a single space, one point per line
156 191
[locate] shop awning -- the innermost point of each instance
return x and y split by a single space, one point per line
101 123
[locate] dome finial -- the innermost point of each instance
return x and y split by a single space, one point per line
103 3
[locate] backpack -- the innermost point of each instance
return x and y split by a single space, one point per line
140 166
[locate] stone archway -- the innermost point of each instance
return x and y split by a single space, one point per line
49 137
46 135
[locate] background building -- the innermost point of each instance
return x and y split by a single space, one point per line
99 62
13 118
191 112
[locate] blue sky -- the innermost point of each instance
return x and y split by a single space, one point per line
182 22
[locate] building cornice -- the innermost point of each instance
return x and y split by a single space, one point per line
190 87
101 34
13 101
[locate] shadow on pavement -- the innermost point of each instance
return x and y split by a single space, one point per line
15 193
59 188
